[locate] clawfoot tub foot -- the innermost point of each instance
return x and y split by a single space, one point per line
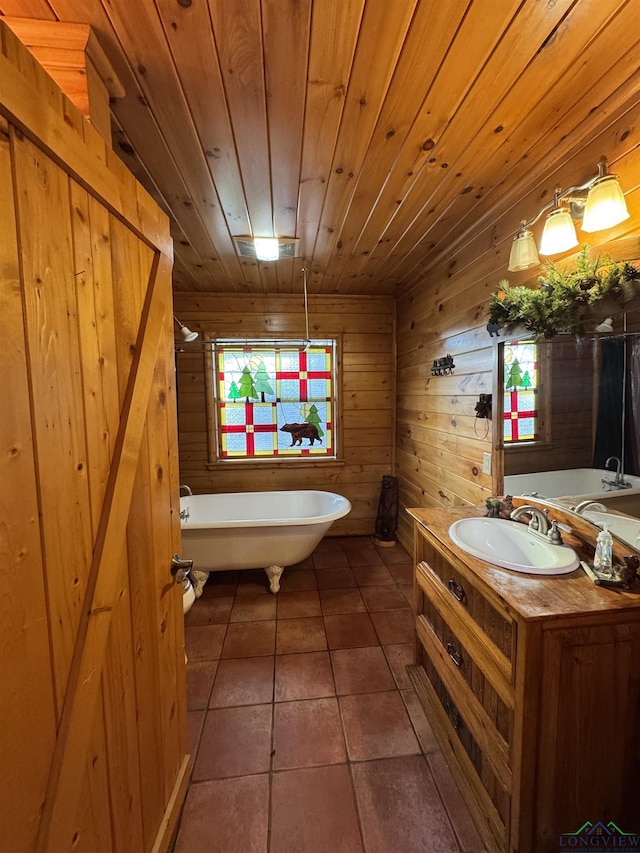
274 574
198 579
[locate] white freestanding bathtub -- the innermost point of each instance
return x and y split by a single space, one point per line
253 530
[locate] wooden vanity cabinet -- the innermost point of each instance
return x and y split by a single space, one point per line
532 687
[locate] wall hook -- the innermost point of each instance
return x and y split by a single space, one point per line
442 366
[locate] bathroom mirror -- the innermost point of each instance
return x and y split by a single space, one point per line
566 411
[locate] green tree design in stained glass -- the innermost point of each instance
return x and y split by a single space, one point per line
247 388
234 394
514 379
314 418
521 391
262 383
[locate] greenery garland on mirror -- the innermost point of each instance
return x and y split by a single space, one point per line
566 301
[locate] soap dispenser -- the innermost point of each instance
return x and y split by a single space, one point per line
603 560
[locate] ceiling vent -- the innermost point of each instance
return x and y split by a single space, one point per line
287 247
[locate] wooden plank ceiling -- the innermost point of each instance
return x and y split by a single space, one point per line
381 133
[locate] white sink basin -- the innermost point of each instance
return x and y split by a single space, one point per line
510 545
627 529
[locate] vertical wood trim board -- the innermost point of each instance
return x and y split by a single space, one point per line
27 712
51 318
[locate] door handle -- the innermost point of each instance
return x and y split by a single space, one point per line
180 568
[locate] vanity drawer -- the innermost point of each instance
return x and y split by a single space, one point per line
474 769
462 663
499 627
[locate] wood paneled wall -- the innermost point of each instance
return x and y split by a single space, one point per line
364 327
440 446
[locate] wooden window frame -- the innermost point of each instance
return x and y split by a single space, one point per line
544 406
216 461
542 396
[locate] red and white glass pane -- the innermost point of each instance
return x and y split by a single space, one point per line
520 391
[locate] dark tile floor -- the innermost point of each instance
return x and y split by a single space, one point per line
306 734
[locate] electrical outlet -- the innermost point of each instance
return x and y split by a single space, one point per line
486 463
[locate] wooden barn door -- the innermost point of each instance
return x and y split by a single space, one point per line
92 700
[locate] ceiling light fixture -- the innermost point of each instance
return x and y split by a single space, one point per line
598 202
267 248
186 333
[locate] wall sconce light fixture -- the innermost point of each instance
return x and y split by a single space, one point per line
598 203
186 333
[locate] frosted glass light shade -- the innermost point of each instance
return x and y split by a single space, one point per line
267 248
605 205
559 233
524 254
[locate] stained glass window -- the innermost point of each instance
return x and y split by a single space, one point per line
275 400
520 391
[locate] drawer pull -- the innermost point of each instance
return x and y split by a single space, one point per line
454 654
456 589
453 714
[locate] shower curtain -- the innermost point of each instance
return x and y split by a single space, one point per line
619 403
633 404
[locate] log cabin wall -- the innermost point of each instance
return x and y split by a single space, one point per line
364 328
440 445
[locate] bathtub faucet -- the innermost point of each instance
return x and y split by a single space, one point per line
184 514
187 490
618 481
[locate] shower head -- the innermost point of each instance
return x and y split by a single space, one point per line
186 333
606 326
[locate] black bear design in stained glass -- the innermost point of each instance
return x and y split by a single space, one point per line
300 431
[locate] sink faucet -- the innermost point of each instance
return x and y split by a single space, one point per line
187 490
539 522
584 505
